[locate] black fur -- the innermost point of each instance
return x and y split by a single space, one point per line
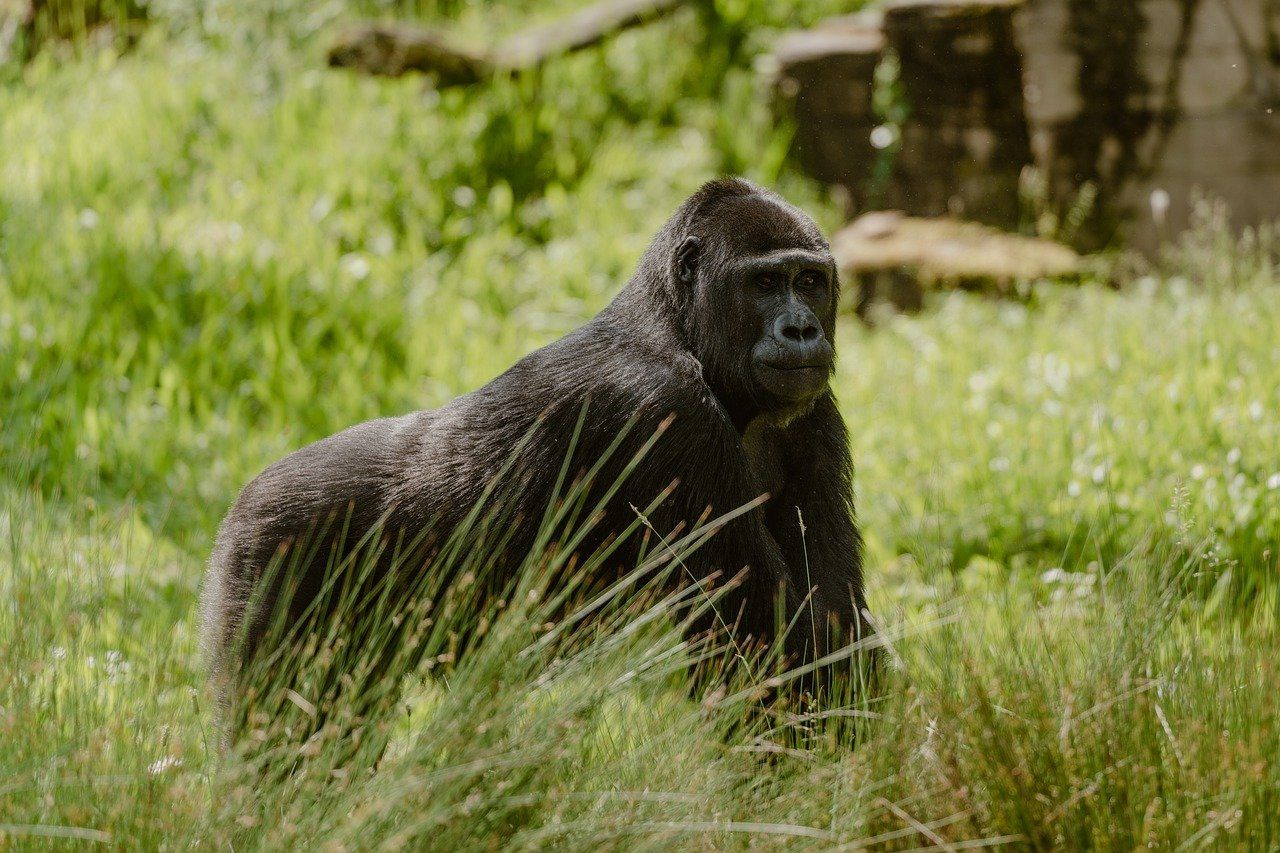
692 335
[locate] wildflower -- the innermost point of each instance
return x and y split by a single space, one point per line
883 136
160 765
464 196
1159 201
356 266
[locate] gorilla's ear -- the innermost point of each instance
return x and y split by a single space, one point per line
687 259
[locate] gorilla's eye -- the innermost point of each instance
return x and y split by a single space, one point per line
769 282
810 282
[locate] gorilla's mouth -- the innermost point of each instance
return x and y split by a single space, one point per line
790 373
792 380
794 367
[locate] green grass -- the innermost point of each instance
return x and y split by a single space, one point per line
213 250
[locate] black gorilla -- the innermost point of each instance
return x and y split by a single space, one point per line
720 345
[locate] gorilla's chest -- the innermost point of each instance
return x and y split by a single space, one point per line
761 444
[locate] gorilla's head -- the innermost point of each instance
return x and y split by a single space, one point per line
754 289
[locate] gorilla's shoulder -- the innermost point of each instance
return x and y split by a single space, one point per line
606 360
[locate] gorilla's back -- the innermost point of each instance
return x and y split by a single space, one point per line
413 477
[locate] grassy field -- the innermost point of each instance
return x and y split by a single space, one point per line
213 250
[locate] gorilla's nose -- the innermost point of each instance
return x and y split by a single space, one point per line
797 329
800 338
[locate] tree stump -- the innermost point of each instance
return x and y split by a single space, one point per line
824 80
965 141
1152 101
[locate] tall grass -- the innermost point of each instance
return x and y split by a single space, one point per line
1117 715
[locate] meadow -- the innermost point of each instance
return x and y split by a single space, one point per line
214 250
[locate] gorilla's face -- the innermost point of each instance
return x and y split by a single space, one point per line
768 283
787 292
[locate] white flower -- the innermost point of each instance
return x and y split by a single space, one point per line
1273 482
883 136
113 665
355 265
160 765
1159 204
321 208
981 382
464 196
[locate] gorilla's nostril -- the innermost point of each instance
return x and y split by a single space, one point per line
794 328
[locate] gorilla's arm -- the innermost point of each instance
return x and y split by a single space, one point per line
701 453
813 519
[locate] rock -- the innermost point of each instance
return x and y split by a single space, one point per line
394 49
391 50
27 25
15 16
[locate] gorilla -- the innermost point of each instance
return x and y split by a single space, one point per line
705 383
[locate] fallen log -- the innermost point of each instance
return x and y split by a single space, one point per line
394 49
584 28
390 50
888 255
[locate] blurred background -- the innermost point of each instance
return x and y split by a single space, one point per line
215 247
